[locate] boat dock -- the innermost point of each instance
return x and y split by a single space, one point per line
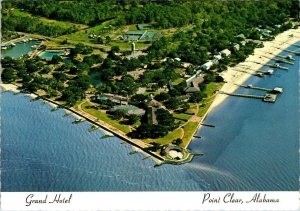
276 90
296 45
277 66
288 57
271 98
259 74
294 52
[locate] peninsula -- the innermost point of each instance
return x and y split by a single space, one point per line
147 72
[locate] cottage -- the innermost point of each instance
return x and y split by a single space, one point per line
207 65
225 52
236 46
217 57
243 43
242 36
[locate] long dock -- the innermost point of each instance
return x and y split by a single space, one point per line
277 66
270 98
296 45
294 52
279 60
255 73
288 57
255 87
243 95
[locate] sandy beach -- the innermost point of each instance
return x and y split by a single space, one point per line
270 49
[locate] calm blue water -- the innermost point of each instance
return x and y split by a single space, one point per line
254 146
19 50
50 54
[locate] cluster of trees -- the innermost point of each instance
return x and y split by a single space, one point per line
91 12
166 123
69 80
11 22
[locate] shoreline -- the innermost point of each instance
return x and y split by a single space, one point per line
233 77
255 62
134 143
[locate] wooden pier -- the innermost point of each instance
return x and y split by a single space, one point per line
296 45
254 73
276 90
279 60
270 98
207 125
294 52
277 66
288 57
244 95
255 87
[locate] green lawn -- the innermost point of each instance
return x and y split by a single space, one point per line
166 139
193 108
211 87
181 116
82 36
177 81
189 130
62 24
104 117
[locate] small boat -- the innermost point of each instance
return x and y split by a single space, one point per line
13 44
3 47
34 46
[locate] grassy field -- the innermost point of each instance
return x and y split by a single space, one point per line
189 130
181 116
166 139
104 117
212 87
62 24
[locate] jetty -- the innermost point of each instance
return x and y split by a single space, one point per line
279 60
259 74
207 125
288 57
77 121
271 98
296 45
277 66
92 128
294 52
276 90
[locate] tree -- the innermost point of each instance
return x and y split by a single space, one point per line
132 119
177 141
196 97
56 59
8 75
165 118
117 114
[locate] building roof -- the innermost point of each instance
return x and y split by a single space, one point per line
129 109
192 89
225 52
155 103
207 65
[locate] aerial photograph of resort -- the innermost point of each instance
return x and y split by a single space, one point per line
150 95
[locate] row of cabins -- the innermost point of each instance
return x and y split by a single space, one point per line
208 65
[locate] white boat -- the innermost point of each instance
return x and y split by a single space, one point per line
13 44
34 46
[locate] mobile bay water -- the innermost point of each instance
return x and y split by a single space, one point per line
254 146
